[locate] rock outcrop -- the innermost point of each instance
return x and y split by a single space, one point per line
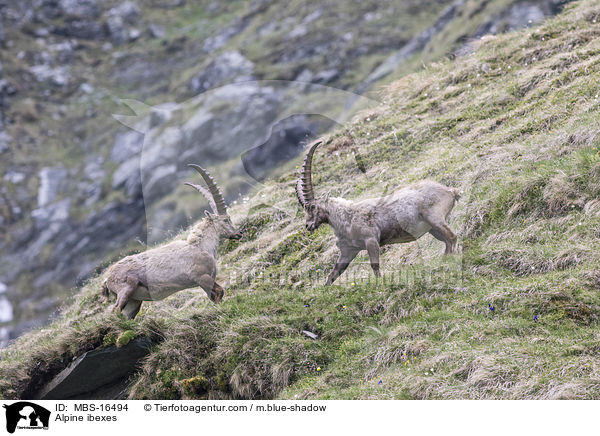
100 374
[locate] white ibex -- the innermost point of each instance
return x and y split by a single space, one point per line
159 272
403 216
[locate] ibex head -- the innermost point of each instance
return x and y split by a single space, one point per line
316 214
220 219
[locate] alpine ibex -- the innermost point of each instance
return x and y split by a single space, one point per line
403 216
159 272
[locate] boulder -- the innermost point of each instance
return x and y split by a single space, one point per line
4 142
161 181
55 213
55 76
81 28
53 181
116 30
126 145
79 8
128 11
6 310
99 374
226 67
326 76
128 175
156 31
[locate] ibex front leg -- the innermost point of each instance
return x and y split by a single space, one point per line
373 250
212 288
347 254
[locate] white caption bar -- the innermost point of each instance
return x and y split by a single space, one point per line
147 418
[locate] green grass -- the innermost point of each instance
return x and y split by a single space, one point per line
514 126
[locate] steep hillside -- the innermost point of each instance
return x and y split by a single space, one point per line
71 185
514 125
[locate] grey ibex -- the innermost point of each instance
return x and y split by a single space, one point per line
159 272
403 216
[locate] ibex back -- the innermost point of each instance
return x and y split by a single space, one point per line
403 216
157 273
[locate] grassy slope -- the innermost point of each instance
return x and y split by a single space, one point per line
515 127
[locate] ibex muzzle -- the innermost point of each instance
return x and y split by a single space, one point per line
157 273
403 216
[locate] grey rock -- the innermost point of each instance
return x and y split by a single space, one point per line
127 171
287 140
214 43
134 34
54 213
83 29
93 169
161 147
53 181
42 32
5 140
326 76
6 310
92 190
98 374
14 176
116 29
160 182
79 8
127 145
64 51
158 117
56 76
86 88
305 76
226 67
298 31
128 11
5 333
156 31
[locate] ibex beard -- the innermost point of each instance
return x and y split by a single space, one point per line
182 264
403 216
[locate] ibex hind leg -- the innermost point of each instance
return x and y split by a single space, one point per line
442 232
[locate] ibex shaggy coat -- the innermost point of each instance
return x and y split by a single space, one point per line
403 216
157 273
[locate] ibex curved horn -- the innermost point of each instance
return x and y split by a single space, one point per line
299 195
213 188
206 194
306 175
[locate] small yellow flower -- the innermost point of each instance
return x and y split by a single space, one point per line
353 284
318 368
344 307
